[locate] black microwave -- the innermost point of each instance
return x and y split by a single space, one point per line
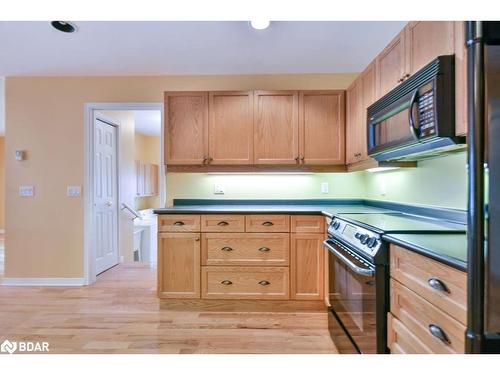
416 120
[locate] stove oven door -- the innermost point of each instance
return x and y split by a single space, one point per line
352 295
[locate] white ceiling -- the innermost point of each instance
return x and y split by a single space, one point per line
157 48
148 122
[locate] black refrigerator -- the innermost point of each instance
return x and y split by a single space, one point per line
483 233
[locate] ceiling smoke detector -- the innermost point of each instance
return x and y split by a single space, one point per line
63 26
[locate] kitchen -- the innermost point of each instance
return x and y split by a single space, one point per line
295 211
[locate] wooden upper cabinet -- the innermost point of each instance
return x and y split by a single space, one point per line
368 97
460 80
230 127
353 118
276 127
426 40
186 127
321 127
390 65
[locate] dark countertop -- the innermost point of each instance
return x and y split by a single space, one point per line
448 248
327 210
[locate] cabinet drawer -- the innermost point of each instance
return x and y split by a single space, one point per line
267 223
401 340
307 224
440 284
178 223
261 249
244 282
421 316
222 223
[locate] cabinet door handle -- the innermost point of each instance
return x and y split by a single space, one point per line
264 282
222 223
302 159
297 159
406 76
438 285
179 223
226 282
268 223
437 332
227 248
197 239
210 160
205 159
264 249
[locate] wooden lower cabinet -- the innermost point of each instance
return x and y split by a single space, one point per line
427 305
271 257
179 262
245 282
307 266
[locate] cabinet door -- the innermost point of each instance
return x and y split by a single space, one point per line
186 127
368 97
276 127
321 127
230 127
426 40
391 65
179 265
307 266
353 119
460 80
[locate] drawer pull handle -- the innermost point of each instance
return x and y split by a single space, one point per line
227 248
179 223
264 249
267 223
226 282
264 282
438 285
437 332
222 223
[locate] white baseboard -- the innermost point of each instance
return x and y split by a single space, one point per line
42 281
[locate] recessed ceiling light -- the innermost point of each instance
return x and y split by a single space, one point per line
260 24
63 26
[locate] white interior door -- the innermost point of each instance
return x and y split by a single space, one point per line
105 195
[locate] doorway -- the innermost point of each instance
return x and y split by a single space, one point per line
120 195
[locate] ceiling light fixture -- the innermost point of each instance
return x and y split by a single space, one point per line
63 26
260 24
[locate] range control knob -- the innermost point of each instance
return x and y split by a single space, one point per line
363 239
357 235
336 224
372 242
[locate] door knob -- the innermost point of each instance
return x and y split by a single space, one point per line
109 203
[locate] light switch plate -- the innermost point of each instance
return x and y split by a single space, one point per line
325 188
74 191
26 191
219 189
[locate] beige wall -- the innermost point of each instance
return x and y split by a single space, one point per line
147 149
45 117
2 183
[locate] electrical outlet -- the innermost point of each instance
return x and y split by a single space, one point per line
325 187
26 191
219 189
74 191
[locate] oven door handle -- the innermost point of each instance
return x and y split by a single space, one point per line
411 120
359 270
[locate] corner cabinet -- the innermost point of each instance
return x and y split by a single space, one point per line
276 133
186 128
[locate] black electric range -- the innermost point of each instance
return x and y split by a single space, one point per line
359 271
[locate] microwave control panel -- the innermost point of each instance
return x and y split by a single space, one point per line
426 111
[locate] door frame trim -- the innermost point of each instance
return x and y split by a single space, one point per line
89 274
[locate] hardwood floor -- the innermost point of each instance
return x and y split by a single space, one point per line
120 314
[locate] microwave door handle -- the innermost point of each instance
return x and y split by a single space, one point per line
347 262
411 120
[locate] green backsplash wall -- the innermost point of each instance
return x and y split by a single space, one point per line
439 182
261 186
